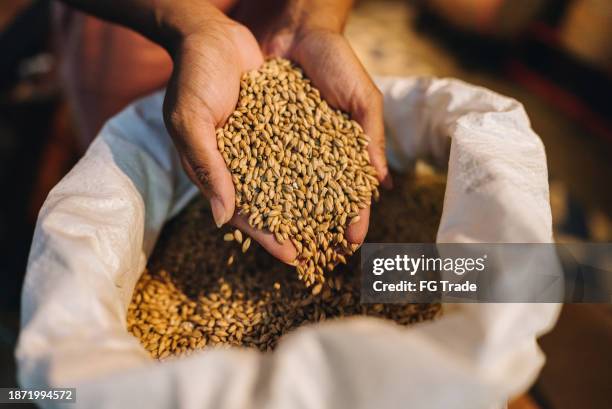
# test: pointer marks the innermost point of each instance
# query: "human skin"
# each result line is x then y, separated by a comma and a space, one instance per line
210, 52
104, 67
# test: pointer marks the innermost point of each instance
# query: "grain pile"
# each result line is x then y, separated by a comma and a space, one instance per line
200, 290
300, 168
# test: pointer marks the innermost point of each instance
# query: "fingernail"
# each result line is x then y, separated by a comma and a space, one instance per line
218, 211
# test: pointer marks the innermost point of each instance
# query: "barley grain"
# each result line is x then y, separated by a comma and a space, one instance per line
190, 298
297, 164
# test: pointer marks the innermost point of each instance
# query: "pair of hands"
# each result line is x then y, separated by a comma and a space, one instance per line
204, 88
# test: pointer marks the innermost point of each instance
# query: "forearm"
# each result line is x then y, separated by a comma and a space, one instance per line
163, 21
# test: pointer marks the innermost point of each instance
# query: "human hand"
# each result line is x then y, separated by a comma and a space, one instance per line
310, 35
202, 93
329, 61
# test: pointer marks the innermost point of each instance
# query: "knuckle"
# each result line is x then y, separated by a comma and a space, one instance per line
200, 171
240, 32
202, 174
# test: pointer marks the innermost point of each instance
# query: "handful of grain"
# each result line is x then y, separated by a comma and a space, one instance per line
191, 298
300, 168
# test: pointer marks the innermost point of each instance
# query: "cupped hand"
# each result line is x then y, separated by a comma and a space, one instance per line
328, 60
202, 93
310, 34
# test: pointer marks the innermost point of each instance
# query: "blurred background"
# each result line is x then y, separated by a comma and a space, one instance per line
555, 56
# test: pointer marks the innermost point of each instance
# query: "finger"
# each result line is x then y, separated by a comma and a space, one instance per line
356, 232
369, 114
197, 144
343, 81
249, 51
285, 252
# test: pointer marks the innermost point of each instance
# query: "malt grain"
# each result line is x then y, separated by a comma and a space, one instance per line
300, 169
192, 298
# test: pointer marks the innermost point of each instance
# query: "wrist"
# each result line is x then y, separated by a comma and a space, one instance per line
177, 21
301, 19
307, 15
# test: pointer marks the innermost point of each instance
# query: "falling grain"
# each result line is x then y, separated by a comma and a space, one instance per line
191, 299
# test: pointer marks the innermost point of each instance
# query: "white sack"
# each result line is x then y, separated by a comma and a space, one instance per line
99, 224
